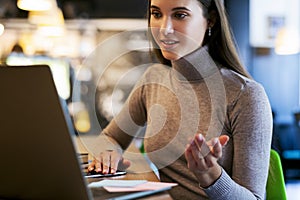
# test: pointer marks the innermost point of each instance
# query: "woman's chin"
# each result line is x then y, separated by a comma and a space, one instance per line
170, 55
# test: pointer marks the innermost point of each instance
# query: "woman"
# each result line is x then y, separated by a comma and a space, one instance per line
209, 124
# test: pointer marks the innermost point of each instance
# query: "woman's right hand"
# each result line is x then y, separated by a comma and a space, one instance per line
108, 162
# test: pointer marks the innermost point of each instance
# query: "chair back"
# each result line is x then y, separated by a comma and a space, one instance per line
275, 183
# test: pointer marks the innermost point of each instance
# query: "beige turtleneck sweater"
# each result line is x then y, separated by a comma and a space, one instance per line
197, 96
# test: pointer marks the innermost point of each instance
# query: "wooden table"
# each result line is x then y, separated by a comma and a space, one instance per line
139, 170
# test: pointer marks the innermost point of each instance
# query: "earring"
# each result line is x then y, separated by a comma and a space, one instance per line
209, 31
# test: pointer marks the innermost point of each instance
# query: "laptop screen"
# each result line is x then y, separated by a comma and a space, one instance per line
38, 158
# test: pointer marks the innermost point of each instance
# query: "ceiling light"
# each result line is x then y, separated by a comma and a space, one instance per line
54, 16
35, 5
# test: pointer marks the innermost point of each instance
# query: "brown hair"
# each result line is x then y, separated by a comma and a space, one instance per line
221, 45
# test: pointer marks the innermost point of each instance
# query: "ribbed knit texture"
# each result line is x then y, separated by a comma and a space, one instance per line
197, 95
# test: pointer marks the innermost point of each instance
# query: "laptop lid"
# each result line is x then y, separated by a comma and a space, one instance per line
38, 157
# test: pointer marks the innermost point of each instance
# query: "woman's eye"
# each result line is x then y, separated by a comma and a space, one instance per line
156, 14
180, 15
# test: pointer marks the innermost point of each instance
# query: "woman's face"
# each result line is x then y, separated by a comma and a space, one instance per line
177, 26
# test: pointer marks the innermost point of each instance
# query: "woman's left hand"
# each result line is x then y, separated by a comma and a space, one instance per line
202, 157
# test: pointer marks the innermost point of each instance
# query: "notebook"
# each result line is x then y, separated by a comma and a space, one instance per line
38, 157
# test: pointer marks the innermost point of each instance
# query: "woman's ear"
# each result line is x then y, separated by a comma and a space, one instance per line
212, 18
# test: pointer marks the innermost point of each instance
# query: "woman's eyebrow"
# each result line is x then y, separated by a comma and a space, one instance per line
173, 9
181, 8
155, 7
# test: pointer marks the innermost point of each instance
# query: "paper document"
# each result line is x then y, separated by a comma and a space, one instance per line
141, 187
116, 183
130, 185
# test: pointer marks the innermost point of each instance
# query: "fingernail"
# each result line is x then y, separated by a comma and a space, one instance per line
200, 137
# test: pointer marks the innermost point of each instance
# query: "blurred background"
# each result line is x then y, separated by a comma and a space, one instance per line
64, 33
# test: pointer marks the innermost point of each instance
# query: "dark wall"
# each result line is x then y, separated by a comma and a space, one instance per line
89, 9
278, 74
238, 14
103, 8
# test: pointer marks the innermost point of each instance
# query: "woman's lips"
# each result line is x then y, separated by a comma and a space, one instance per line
168, 44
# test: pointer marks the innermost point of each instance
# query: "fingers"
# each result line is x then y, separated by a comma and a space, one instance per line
118, 162
217, 148
103, 163
218, 144
113, 162
202, 145
98, 166
196, 160
190, 159
199, 152
108, 162
92, 166
202, 155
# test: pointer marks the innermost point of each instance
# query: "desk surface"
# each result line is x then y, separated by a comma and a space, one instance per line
138, 170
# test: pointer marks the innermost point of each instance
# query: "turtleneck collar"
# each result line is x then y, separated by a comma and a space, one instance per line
195, 66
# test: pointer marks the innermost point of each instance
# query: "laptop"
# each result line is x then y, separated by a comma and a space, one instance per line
38, 157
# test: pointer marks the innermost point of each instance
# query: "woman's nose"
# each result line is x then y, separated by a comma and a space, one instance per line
167, 26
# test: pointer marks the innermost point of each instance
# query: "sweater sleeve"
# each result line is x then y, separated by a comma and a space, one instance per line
132, 117
251, 125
